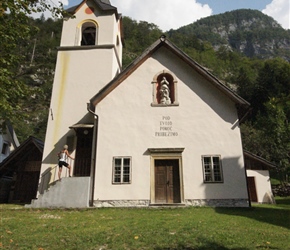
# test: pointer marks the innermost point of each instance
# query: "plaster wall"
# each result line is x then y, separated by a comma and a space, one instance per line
2, 141
263, 185
204, 123
81, 71
77, 79
5, 138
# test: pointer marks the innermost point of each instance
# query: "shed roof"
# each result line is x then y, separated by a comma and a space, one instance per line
19, 153
261, 161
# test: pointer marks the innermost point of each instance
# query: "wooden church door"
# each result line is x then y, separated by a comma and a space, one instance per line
167, 182
252, 189
82, 165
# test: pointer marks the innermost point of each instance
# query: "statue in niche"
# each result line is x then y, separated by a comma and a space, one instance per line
164, 92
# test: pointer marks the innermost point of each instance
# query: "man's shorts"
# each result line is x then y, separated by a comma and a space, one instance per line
62, 163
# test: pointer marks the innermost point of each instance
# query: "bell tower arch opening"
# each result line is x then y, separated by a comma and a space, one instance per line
89, 33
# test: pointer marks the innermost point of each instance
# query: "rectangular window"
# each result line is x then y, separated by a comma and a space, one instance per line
121, 170
5, 147
212, 169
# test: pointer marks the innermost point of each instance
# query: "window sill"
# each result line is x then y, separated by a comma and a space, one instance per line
121, 183
164, 105
213, 182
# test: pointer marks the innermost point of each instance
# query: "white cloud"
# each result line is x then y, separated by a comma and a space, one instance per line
172, 14
280, 11
166, 14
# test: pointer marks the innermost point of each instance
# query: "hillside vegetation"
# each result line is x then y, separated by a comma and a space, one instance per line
246, 49
249, 32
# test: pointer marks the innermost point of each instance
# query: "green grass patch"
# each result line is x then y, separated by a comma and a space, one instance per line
275, 181
259, 227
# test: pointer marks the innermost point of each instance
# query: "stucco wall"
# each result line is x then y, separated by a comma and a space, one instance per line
205, 122
81, 71
76, 81
263, 185
5, 138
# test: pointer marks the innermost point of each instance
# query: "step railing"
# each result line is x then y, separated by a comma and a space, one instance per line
50, 175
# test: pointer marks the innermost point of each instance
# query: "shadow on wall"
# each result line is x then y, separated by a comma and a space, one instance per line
233, 186
269, 198
44, 180
52, 158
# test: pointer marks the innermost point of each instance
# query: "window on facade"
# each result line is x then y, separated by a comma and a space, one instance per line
212, 169
121, 170
5, 147
89, 34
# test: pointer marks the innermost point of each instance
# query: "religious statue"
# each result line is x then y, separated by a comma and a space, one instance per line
164, 92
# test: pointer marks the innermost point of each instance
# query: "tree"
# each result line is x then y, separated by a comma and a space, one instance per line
268, 132
273, 81
16, 30
246, 81
138, 36
275, 129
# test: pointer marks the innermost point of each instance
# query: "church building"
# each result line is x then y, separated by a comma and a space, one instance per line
163, 131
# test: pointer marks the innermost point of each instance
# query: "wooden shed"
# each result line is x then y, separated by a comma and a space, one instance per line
19, 173
258, 178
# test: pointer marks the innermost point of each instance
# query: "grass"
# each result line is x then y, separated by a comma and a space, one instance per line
202, 228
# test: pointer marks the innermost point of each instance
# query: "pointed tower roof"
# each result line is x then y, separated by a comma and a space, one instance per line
106, 1
104, 5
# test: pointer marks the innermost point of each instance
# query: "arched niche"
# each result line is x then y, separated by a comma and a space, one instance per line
165, 89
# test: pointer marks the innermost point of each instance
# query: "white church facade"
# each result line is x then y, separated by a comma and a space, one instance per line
164, 131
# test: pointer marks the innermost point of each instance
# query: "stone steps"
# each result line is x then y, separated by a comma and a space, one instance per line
70, 192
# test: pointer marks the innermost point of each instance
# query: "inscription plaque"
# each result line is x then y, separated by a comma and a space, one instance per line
166, 127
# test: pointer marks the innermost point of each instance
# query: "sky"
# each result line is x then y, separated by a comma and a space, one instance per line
172, 14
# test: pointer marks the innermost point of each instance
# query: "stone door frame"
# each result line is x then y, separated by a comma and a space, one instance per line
165, 154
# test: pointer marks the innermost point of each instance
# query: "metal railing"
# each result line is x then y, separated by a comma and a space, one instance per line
50, 175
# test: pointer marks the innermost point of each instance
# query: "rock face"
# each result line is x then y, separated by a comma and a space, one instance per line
247, 31
258, 38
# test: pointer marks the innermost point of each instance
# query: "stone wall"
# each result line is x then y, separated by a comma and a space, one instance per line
218, 202
196, 203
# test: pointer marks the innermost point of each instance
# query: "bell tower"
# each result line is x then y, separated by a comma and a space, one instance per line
89, 56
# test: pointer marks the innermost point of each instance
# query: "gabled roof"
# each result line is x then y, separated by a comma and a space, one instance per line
266, 164
102, 4
10, 131
242, 105
20, 152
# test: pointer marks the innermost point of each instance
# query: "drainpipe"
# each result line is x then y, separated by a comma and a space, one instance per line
94, 154
248, 192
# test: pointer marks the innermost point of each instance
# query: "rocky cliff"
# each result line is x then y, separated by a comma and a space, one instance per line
247, 31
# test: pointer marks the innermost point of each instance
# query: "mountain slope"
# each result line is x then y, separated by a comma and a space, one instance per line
247, 31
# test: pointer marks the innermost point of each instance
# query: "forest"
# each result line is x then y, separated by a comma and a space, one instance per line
28, 55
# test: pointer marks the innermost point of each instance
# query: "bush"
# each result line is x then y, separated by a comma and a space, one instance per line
282, 190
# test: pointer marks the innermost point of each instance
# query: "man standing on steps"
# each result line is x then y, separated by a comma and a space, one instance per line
62, 156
